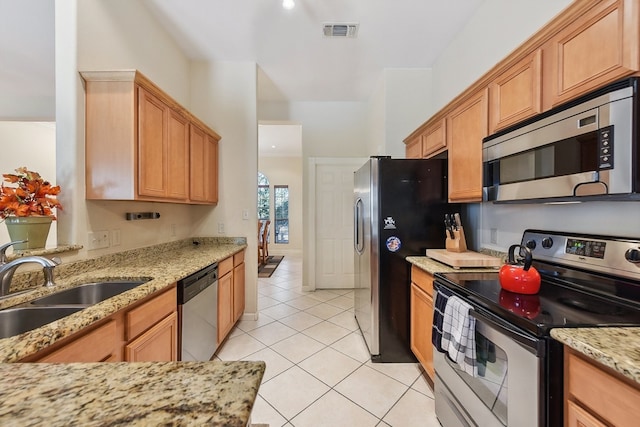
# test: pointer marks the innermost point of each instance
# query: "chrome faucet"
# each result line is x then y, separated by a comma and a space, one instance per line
7, 269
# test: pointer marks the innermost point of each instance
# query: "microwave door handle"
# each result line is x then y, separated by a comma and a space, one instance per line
532, 344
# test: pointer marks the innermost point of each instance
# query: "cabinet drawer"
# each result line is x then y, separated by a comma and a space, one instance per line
225, 266
97, 345
238, 258
148, 314
158, 344
422, 279
611, 398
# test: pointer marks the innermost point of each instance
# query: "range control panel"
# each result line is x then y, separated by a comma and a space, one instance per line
605, 254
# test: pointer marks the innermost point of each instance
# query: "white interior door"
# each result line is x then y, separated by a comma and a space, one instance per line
334, 266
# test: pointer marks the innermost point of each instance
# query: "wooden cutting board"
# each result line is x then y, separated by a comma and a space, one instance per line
464, 259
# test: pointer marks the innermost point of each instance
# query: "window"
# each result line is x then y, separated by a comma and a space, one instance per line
263, 197
281, 207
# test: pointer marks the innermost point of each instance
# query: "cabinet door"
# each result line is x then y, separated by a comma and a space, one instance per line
178, 157
146, 315
238, 291
97, 345
152, 137
225, 305
197, 142
597, 48
211, 169
434, 139
466, 126
421, 322
413, 149
158, 344
516, 94
578, 417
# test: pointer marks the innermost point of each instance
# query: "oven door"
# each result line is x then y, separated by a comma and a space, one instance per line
507, 390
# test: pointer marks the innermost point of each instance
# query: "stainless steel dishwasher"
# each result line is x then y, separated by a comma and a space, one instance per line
198, 314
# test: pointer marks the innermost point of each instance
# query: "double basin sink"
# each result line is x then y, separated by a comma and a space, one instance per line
49, 308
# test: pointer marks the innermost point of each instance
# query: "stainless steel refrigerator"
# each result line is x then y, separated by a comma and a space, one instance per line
399, 207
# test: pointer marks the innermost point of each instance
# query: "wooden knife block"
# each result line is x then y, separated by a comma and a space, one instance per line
458, 243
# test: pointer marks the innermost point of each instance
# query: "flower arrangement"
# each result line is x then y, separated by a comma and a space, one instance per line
32, 197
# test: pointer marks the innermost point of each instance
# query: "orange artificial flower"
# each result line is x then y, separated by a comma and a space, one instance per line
32, 197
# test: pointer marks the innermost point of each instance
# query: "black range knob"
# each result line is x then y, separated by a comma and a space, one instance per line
531, 244
632, 255
547, 242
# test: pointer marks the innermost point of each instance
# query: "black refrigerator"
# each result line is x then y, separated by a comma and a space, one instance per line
399, 207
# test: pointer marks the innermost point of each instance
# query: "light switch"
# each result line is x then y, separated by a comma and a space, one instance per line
245, 214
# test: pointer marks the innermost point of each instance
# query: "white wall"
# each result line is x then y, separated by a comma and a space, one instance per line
224, 96
482, 44
286, 171
110, 34
407, 104
496, 29
376, 119
30, 144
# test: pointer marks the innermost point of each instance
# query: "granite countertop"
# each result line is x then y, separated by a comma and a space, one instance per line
616, 348
162, 264
128, 393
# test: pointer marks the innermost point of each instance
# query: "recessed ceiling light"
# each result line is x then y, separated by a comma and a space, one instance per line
273, 146
288, 4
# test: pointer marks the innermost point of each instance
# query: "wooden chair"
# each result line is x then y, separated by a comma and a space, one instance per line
263, 242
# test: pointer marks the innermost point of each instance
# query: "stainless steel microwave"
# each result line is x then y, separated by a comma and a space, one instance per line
586, 149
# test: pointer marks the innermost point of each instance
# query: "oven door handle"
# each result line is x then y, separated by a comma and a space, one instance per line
532, 344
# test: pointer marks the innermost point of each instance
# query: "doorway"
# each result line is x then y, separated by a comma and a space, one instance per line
331, 231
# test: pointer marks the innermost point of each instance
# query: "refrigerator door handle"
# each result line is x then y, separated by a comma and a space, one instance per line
358, 238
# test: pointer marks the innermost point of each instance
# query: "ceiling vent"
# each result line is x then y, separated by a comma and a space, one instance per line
340, 30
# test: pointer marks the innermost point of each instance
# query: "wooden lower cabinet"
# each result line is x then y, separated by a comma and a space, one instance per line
145, 331
231, 293
422, 318
238, 285
100, 344
158, 344
597, 396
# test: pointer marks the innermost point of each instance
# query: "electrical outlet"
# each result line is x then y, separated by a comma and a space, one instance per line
494, 236
173, 230
98, 240
115, 237
245, 214
221, 228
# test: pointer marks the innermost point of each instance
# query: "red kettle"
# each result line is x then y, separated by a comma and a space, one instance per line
522, 279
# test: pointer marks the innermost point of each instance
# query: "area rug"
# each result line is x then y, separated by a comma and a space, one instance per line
267, 269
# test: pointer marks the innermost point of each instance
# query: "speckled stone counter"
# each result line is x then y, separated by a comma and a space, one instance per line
616, 348
131, 394
163, 265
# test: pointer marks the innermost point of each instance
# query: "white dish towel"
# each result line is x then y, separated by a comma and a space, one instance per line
459, 335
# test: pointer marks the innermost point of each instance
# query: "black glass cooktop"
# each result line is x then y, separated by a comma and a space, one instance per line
556, 305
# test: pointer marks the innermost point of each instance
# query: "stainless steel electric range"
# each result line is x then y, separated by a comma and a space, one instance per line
587, 281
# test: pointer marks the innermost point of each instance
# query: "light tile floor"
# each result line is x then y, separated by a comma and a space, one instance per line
318, 368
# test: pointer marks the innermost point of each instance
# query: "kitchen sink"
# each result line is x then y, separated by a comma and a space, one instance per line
88, 293
14, 321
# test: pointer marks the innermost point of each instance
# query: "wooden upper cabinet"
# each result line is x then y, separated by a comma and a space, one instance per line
178, 156
138, 143
204, 166
413, 149
600, 47
466, 127
163, 147
516, 94
434, 139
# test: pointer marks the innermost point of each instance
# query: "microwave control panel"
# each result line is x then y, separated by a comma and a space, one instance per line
605, 148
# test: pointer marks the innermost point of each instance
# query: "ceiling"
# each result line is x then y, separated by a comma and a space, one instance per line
295, 61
